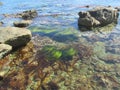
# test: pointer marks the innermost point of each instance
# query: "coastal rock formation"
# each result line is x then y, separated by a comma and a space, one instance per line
24, 23
4, 49
99, 16
29, 14
14, 36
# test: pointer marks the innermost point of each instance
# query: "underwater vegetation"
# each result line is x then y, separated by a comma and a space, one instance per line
41, 66
52, 53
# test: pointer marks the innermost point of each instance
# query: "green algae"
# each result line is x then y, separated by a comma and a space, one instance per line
68, 31
53, 53
38, 29
68, 53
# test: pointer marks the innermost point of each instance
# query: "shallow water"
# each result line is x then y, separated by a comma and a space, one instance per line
57, 20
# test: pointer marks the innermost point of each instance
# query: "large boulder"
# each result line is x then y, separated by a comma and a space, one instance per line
16, 37
99, 16
4, 49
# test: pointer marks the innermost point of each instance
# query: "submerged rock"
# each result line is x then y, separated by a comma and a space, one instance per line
22, 23
15, 37
29, 14
99, 16
4, 49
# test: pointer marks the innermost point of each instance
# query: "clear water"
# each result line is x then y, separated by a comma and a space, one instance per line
67, 10
58, 20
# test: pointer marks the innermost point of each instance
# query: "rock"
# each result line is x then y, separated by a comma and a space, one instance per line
30, 14
99, 16
24, 23
1, 23
118, 8
4, 49
16, 37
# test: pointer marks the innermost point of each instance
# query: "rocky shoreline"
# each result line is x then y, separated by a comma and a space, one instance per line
15, 37
39, 63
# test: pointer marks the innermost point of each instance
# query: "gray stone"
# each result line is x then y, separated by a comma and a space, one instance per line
99, 16
21, 24
16, 37
4, 49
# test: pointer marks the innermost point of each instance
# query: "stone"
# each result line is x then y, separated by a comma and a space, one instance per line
29, 14
99, 16
1, 23
86, 20
23, 23
118, 8
16, 37
4, 50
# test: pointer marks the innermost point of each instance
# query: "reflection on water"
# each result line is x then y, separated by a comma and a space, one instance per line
96, 61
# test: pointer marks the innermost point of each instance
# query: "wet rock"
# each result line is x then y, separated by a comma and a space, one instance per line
4, 49
30, 14
16, 37
87, 20
118, 8
99, 16
22, 23
1, 23
6, 15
